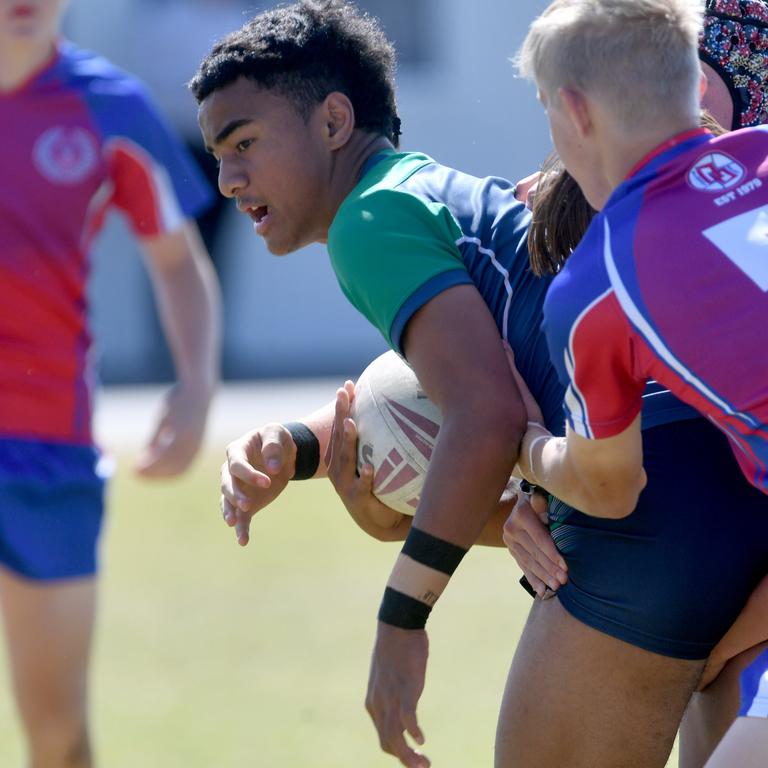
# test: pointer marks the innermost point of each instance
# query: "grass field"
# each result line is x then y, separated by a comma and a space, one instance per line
212, 656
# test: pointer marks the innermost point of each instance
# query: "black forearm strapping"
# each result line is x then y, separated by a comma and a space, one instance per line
433, 552
307, 450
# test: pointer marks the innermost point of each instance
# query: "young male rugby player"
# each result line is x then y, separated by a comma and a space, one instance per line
298, 108
672, 275
79, 137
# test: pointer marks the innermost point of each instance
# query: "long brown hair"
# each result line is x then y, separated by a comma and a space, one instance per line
561, 213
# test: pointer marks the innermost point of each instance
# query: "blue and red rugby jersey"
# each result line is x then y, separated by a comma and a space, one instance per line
79, 138
670, 283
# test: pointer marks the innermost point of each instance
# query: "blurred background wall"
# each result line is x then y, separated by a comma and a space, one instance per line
459, 102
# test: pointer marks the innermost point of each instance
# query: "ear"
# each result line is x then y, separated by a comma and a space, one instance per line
577, 108
703, 84
338, 120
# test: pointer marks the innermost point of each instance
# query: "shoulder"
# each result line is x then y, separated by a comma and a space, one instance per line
382, 214
104, 85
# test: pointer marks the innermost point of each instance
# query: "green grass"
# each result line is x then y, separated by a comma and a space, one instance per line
213, 656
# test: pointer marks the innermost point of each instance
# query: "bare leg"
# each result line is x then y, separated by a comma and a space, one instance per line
711, 712
48, 628
744, 746
580, 698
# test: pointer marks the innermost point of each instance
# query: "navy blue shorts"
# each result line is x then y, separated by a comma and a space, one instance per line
754, 688
672, 576
51, 509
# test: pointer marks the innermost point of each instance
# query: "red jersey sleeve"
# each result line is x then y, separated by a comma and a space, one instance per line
605, 391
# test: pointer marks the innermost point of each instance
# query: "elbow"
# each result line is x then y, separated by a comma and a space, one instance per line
618, 502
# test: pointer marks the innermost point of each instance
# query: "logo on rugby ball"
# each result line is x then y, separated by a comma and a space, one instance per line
65, 154
716, 172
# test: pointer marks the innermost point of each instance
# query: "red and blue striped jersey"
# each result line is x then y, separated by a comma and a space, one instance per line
79, 137
670, 283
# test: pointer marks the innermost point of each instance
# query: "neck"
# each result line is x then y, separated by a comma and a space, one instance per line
622, 152
347, 164
19, 60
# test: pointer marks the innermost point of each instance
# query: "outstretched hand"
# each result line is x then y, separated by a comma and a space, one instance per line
258, 467
395, 684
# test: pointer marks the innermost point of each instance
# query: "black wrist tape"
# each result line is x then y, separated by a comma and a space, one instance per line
529, 488
433, 552
307, 450
403, 611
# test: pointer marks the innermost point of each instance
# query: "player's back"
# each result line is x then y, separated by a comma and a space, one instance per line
686, 253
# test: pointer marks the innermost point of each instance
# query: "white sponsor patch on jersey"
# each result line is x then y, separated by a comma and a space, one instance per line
716, 172
744, 240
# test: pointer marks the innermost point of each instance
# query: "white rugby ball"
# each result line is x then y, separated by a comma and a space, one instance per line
397, 426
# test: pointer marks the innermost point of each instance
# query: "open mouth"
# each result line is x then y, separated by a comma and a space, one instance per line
258, 213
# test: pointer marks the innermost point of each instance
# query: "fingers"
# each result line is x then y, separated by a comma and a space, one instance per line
341, 412
408, 719
243, 528
277, 449
391, 729
530, 543
240, 465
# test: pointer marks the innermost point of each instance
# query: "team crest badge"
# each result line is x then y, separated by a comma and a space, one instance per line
65, 154
716, 172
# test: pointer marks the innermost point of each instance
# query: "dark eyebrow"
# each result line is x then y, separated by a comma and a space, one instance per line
228, 129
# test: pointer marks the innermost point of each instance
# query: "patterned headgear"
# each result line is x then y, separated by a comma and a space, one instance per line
735, 44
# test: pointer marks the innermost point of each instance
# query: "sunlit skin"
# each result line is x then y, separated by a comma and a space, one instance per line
28, 33
581, 163
287, 173
717, 99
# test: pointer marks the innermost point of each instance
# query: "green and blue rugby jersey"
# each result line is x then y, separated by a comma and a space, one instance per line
412, 228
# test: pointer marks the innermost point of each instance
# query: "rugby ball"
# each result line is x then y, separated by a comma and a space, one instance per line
397, 426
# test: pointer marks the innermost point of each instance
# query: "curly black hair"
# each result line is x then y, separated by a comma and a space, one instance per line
306, 51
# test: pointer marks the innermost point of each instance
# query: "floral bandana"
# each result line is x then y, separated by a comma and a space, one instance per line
735, 44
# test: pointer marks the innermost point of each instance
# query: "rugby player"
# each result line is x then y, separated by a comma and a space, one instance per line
79, 137
425, 252
632, 124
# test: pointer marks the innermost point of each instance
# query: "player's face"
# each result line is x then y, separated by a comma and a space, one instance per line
30, 21
272, 161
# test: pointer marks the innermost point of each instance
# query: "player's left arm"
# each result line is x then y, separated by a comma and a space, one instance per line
187, 294
453, 345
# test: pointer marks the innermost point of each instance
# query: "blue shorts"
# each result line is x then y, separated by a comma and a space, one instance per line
673, 576
754, 688
51, 509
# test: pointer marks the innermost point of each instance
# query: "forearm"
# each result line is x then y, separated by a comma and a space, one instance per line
606, 483
189, 303
468, 471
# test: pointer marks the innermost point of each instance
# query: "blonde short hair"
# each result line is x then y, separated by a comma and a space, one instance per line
638, 56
